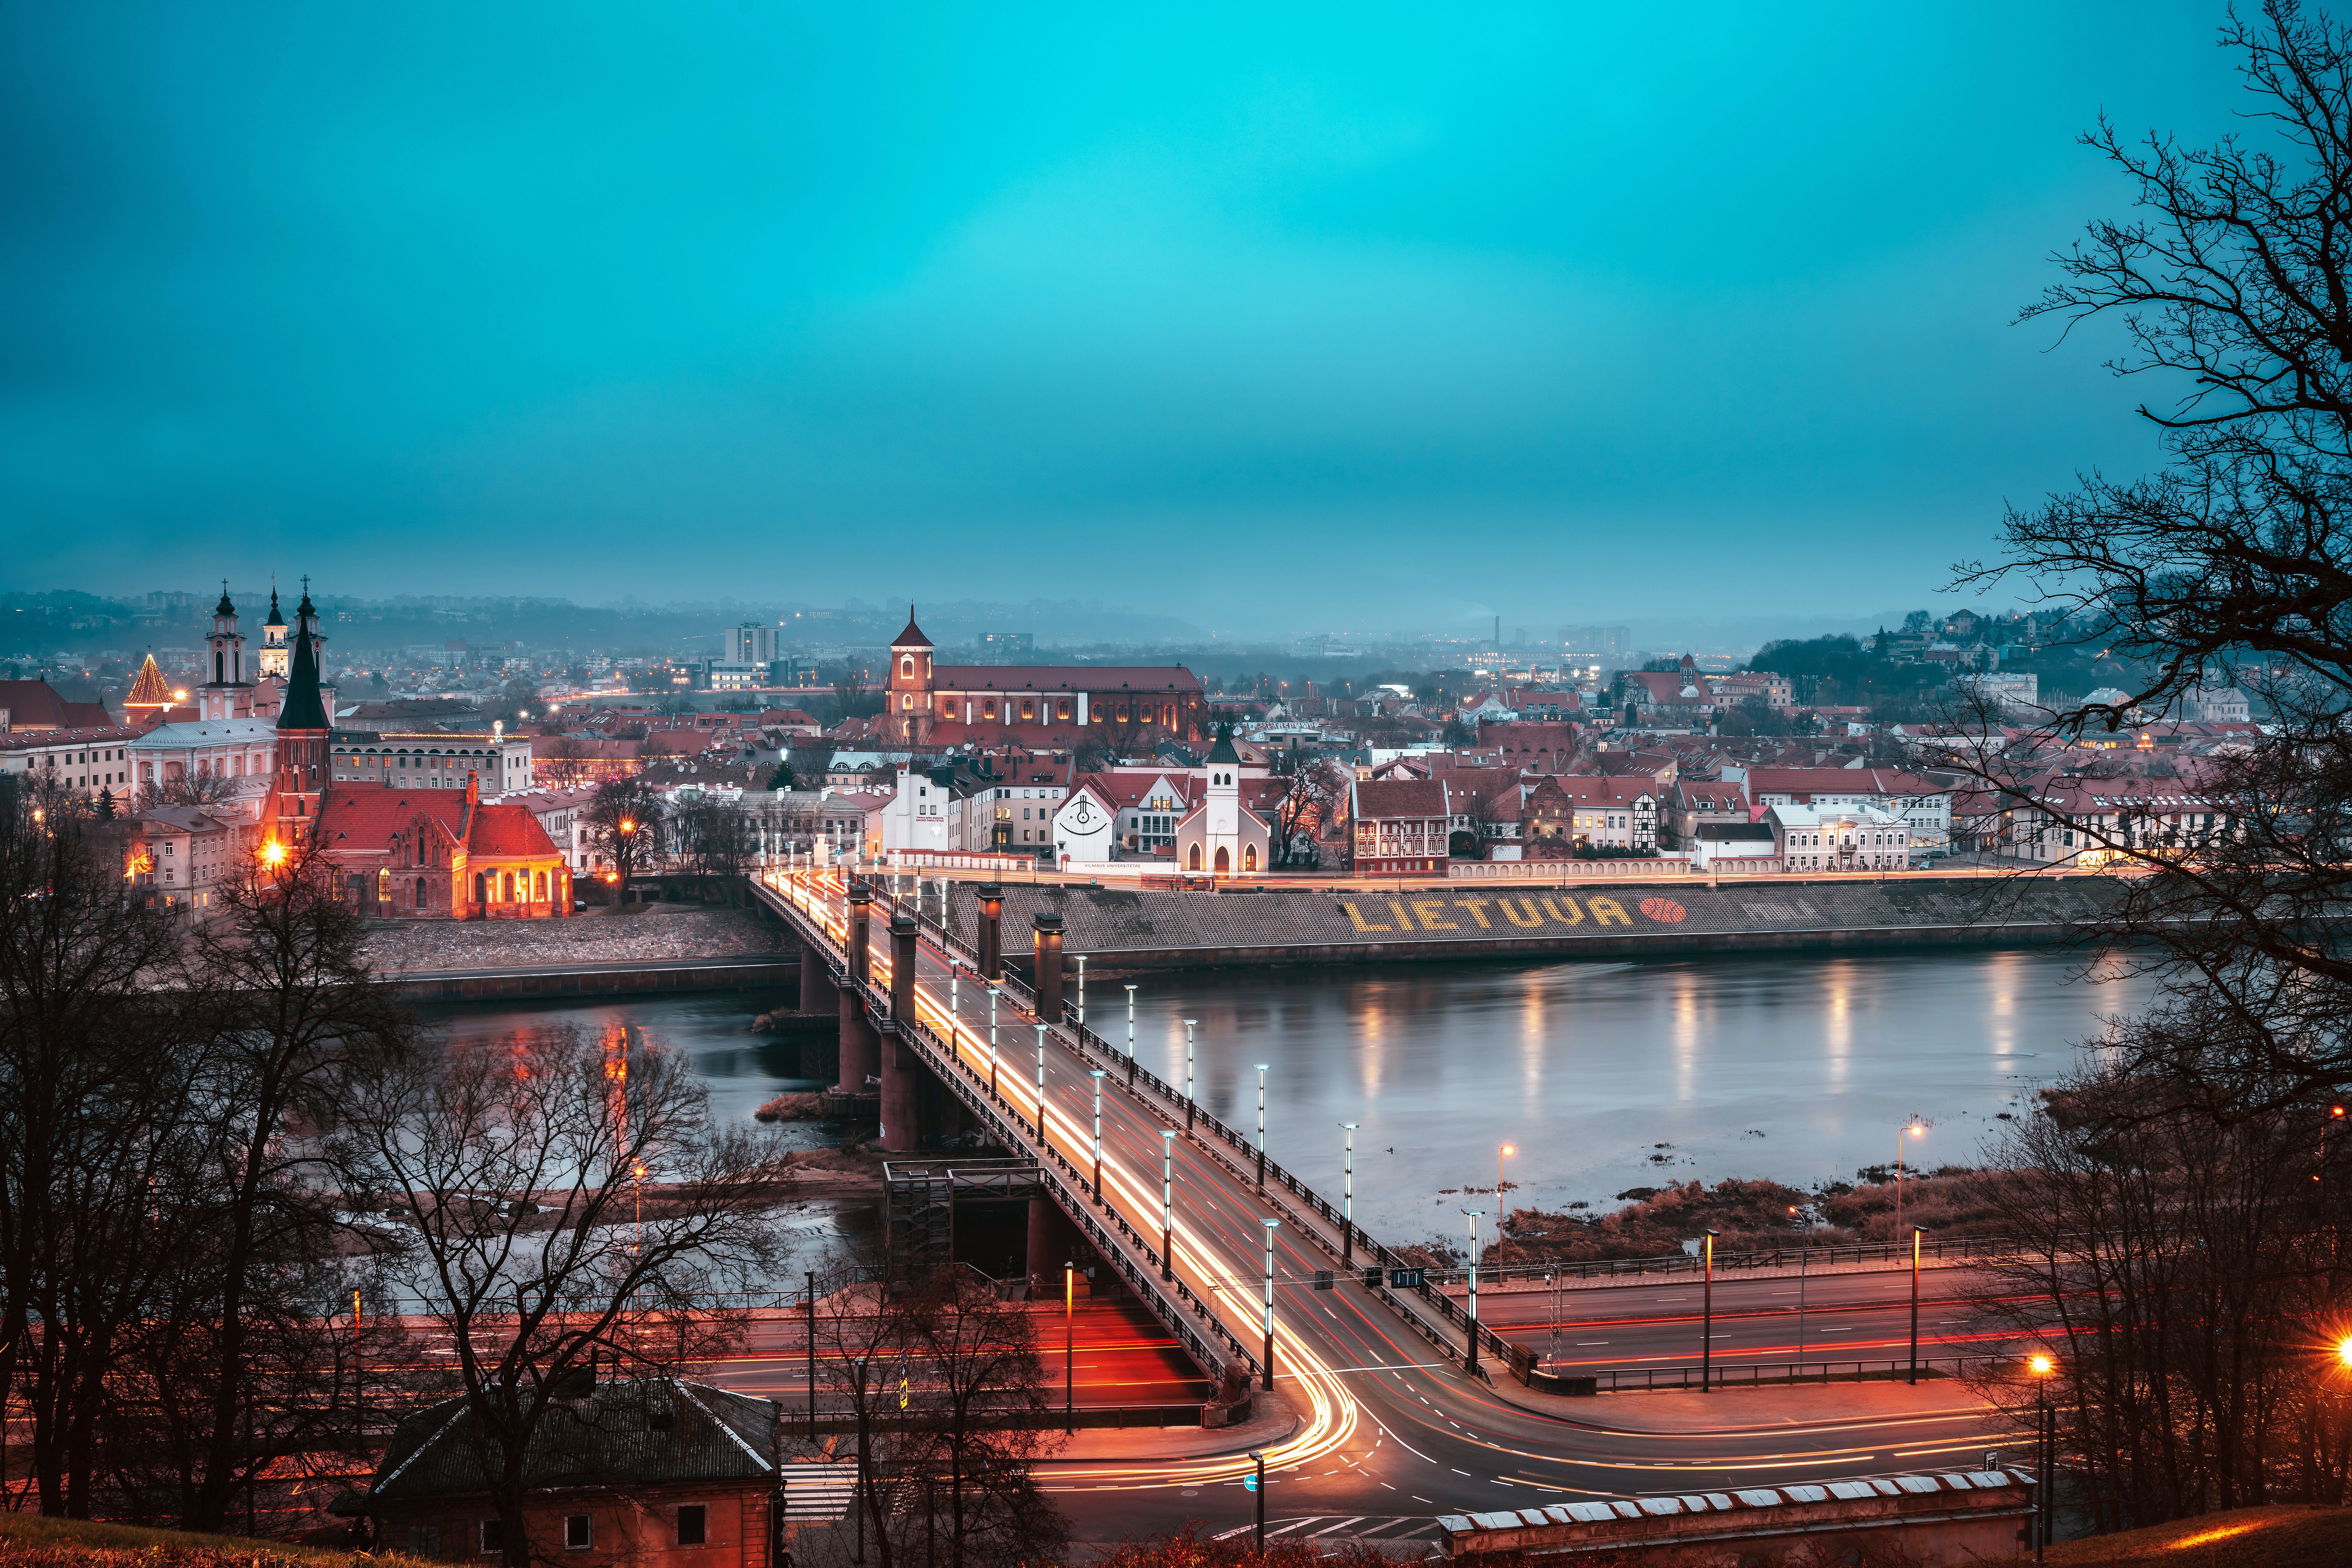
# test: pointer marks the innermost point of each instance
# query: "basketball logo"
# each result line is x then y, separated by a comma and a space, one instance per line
1665, 911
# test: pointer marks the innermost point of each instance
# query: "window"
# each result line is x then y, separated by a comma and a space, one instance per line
576, 1534
491, 1537
691, 1520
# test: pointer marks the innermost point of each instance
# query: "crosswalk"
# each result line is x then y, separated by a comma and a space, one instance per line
819, 1494
1332, 1529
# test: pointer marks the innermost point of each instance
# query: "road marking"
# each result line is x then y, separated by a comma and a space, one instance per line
1343, 1524
1286, 1528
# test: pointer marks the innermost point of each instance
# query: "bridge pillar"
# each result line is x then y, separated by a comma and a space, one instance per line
860, 1046
1049, 968
902, 1069
818, 993
992, 918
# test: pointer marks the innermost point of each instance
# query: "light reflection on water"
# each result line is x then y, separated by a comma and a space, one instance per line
1584, 1067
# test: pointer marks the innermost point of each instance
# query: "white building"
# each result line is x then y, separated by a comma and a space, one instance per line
923, 813
2218, 705
1220, 836
88, 762
225, 748
1925, 806
434, 759
1839, 838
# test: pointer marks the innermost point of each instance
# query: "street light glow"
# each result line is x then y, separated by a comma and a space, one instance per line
2039, 1366
2343, 1351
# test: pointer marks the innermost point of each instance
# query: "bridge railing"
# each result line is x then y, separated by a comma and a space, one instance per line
1958, 1248
1211, 1344
1746, 1374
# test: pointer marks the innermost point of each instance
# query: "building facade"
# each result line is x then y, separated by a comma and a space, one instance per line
1048, 706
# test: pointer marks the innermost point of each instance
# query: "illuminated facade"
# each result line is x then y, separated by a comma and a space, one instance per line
1045, 706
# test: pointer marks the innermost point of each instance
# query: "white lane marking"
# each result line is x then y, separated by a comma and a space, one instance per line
1414, 1452
1286, 1528
1343, 1524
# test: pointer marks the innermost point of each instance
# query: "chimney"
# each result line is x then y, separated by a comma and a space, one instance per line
473, 788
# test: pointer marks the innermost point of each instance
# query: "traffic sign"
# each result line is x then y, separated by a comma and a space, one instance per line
1249, 1483
1404, 1279
1373, 1277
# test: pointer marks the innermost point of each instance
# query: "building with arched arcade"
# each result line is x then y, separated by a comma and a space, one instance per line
1049, 707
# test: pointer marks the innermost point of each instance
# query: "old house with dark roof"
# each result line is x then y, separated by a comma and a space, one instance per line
638, 1471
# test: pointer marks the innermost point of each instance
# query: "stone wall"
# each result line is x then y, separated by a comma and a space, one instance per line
655, 936
1120, 929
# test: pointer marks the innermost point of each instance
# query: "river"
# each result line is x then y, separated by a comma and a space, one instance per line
1603, 1076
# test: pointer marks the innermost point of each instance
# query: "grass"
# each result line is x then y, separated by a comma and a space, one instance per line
29, 1541
2294, 1537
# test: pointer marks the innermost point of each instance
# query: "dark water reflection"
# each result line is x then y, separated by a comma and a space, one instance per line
1608, 1076
1798, 1067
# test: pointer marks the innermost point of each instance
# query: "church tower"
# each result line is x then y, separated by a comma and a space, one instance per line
908, 696
1220, 799
302, 737
276, 652
306, 621
229, 689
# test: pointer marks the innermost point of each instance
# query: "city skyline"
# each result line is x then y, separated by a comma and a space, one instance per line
1270, 328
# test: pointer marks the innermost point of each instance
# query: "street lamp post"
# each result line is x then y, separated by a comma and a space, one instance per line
2044, 1444
1915, 1234
1270, 1226
1041, 1086
1166, 1204
1348, 1196
1916, 1130
1069, 1349
955, 1010
1261, 1127
1471, 1365
1707, 1323
1258, 1491
1130, 1036
992, 992
1082, 997
1189, 1102
1098, 1076
1507, 1149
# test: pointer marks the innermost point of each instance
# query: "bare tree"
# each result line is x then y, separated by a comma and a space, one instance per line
570, 1201
1313, 798
715, 837
190, 789
625, 821
2233, 288
563, 762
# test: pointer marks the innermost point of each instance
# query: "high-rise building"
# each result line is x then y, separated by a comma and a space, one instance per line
753, 642
1598, 642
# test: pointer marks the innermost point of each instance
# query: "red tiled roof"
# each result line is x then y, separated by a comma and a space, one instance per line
1064, 677
34, 704
504, 829
1401, 797
363, 817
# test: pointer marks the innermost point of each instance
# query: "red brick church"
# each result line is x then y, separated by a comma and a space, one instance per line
397, 851
1044, 707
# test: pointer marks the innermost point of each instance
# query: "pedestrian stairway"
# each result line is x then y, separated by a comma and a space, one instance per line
1332, 1529
819, 1494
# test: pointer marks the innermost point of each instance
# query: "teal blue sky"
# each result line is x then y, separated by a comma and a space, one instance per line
1274, 318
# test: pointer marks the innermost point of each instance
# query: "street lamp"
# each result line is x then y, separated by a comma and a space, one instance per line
1915, 1234
1098, 1076
1041, 1086
1069, 1349
1499, 1210
1471, 1365
1167, 1203
1257, 1489
1348, 1196
1261, 1127
1082, 997
1707, 1323
1917, 1129
2046, 1442
1270, 1226
1189, 1102
992, 993
1130, 1036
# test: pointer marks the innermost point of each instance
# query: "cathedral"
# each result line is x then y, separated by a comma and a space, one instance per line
1040, 707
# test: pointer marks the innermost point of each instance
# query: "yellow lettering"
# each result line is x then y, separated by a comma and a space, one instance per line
1361, 924
1477, 908
1532, 919
1605, 910
1428, 921
1403, 921
1574, 916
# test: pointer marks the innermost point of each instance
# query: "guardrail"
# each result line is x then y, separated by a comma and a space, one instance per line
1959, 1247
1757, 1374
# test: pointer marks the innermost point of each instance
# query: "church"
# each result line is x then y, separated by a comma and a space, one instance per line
1042, 707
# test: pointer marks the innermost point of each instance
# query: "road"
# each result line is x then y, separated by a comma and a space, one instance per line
1388, 1428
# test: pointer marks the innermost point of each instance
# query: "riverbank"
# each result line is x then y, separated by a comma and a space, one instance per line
598, 952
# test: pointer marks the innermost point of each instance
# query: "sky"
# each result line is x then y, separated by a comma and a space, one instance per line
1276, 319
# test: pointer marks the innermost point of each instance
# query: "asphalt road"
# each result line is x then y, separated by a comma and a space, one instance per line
1388, 1428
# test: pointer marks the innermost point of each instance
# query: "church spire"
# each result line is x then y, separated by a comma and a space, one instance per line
304, 708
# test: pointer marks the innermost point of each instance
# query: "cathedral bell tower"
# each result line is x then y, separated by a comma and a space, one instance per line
230, 689
302, 736
908, 695
276, 651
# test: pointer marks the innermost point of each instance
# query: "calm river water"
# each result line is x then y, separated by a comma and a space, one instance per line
1603, 1076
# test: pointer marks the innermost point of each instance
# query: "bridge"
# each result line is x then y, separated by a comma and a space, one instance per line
1263, 1282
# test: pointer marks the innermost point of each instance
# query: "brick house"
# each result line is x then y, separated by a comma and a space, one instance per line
1401, 825
423, 854
642, 1472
